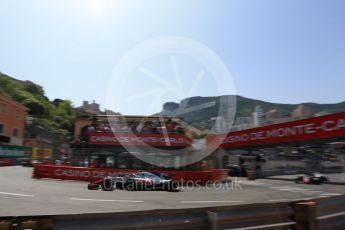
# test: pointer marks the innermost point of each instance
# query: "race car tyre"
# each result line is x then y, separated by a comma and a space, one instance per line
119, 186
173, 188
92, 187
298, 181
130, 186
107, 185
324, 179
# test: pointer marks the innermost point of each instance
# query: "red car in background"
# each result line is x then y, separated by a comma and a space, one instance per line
314, 178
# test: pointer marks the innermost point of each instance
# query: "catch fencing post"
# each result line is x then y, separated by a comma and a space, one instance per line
305, 216
32, 225
5, 225
213, 220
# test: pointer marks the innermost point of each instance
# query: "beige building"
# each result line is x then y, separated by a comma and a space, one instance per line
90, 108
302, 112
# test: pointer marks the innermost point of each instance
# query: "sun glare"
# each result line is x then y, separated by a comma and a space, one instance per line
99, 6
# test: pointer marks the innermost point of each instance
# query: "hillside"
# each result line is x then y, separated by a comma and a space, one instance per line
244, 108
55, 116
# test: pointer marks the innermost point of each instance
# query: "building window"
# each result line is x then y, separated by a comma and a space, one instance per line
3, 107
15, 132
17, 114
2, 129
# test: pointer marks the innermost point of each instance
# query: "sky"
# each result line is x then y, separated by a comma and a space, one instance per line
287, 51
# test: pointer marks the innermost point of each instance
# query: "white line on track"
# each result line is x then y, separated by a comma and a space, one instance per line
265, 226
303, 191
308, 198
288, 188
331, 216
16, 194
100, 200
253, 183
292, 199
207, 202
281, 200
330, 194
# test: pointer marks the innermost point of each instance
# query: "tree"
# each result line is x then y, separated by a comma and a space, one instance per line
57, 101
33, 88
35, 107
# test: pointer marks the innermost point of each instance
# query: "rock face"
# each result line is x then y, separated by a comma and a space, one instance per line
170, 109
202, 111
171, 106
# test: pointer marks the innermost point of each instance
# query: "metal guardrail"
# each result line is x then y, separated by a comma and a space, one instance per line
243, 216
326, 213
330, 213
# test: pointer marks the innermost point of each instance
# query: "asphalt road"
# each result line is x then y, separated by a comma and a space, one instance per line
20, 195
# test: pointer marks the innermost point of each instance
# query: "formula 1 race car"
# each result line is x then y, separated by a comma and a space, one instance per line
314, 178
28, 162
136, 181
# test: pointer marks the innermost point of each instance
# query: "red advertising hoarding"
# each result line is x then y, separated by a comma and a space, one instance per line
92, 174
328, 126
139, 139
6, 162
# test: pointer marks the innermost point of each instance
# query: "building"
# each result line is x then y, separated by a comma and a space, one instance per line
273, 114
220, 125
258, 116
12, 121
41, 141
131, 142
302, 112
321, 113
242, 123
274, 117
90, 108
273, 121
297, 146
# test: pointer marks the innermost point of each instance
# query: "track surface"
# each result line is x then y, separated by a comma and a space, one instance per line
20, 195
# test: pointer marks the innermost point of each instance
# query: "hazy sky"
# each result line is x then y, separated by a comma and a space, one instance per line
280, 51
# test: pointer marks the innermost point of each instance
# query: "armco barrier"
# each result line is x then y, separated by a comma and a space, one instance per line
91, 174
297, 215
303, 215
330, 213
237, 217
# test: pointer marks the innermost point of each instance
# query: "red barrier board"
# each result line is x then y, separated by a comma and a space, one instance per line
139, 139
328, 126
6, 162
92, 174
